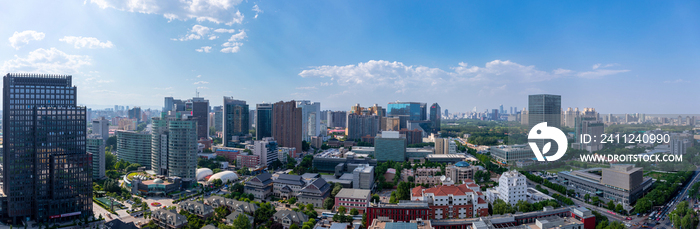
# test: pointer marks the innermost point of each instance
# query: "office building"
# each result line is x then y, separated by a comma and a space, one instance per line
461, 172
325, 163
135, 113
200, 113
219, 118
287, 125
337, 119
174, 146
267, 150
263, 121
311, 118
445, 146
363, 177
235, 119
134, 147
251, 119
95, 146
390, 146
508, 154
435, 117
412, 136
591, 127
353, 198
680, 142
621, 183
415, 111
101, 126
45, 168
544, 108
361, 125
512, 187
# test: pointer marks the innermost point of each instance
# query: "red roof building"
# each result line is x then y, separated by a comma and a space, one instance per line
452, 201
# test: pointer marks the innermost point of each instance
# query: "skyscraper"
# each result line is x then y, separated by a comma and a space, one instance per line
415, 111
545, 108
286, 124
337, 119
101, 127
96, 147
135, 113
218, 118
263, 121
174, 146
311, 120
435, 117
235, 120
46, 171
134, 147
200, 113
359, 126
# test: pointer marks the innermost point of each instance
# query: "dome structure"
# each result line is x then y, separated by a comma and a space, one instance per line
224, 176
203, 172
462, 164
158, 181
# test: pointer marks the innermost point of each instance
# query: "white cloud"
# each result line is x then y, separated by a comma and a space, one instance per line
213, 37
51, 61
238, 36
599, 73
18, 38
86, 42
561, 71
257, 10
225, 30
306, 88
196, 33
596, 66
202, 88
199, 76
216, 11
201, 82
232, 46
676, 81
206, 49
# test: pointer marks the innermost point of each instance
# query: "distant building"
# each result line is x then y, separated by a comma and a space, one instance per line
390, 146
445, 146
560, 218
415, 111
363, 177
435, 117
507, 154
289, 217
544, 108
96, 147
588, 126
263, 121
134, 147
287, 124
512, 187
337, 119
135, 113
267, 150
412, 136
461, 172
235, 118
174, 146
101, 127
361, 125
311, 119
248, 161
127, 124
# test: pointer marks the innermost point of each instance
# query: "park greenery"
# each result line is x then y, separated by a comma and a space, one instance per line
486, 132
684, 216
501, 207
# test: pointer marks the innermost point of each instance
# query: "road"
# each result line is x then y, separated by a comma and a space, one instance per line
666, 223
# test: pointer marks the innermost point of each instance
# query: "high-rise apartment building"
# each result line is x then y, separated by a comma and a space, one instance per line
134, 147
173, 149
263, 121
236, 117
445, 146
267, 150
286, 124
311, 119
359, 126
219, 118
101, 127
588, 126
337, 119
95, 146
135, 113
46, 171
435, 117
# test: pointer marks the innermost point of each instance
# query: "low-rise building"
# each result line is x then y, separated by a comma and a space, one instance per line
560, 218
382, 223
423, 175
315, 193
168, 218
287, 186
248, 161
231, 204
512, 187
289, 217
506, 154
234, 215
461, 171
621, 183
260, 186
353, 198
452, 201
198, 208
403, 211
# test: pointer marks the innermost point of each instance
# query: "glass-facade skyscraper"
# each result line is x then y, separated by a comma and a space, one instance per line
236, 117
46, 171
544, 108
435, 117
263, 121
415, 111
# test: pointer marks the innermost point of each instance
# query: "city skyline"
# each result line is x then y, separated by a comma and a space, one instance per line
461, 56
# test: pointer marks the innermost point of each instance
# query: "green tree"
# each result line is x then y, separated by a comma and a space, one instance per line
328, 203
354, 211
393, 199
585, 197
294, 226
241, 222
619, 208
342, 210
375, 198
132, 167
110, 160
611, 205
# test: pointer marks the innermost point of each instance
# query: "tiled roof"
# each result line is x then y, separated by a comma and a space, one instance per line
290, 179
481, 201
296, 217
472, 185
445, 190
417, 191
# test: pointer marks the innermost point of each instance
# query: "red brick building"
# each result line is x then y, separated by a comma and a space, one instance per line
402, 212
453, 201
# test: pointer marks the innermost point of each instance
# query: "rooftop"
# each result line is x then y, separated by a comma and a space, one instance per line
354, 193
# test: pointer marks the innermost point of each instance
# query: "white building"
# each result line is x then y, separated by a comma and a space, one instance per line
512, 187
267, 150
310, 119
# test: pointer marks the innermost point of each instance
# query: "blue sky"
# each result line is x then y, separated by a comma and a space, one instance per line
614, 56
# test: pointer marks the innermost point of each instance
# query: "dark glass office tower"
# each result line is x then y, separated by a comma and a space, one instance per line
235, 119
200, 113
415, 111
544, 108
47, 174
263, 121
435, 117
